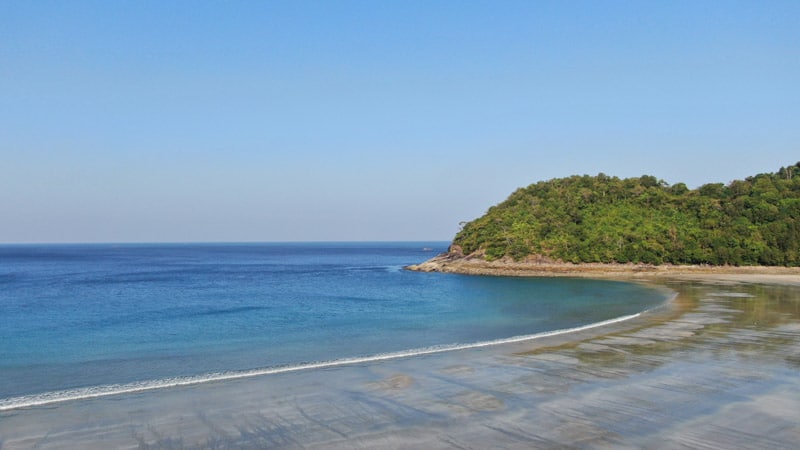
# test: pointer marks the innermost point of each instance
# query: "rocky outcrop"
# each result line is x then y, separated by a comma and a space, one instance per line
454, 261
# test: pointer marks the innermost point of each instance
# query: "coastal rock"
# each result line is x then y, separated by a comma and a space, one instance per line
435, 264
455, 250
476, 264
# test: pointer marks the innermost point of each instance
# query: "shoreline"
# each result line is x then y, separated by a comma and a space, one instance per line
110, 390
93, 392
475, 265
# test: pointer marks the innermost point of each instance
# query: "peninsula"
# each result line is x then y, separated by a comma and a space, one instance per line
596, 225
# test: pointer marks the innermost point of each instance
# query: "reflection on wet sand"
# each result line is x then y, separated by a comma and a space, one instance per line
718, 369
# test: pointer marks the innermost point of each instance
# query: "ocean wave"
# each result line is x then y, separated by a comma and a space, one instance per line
48, 398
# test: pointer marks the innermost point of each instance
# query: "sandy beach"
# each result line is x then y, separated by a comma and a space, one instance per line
717, 367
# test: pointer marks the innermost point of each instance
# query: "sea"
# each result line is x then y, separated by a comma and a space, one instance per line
80, 321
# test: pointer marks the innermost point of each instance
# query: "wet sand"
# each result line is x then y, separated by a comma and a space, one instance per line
717, 368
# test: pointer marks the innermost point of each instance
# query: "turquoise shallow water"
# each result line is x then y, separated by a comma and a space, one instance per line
81, 316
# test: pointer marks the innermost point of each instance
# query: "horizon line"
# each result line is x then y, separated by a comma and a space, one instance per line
311, 241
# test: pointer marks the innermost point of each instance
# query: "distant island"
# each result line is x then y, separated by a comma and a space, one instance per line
605, 220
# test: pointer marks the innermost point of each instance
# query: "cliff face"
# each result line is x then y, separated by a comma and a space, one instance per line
640, 221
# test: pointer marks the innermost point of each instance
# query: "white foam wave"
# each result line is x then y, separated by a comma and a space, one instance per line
141, 386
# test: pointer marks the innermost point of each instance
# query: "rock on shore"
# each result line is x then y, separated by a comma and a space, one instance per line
454, 261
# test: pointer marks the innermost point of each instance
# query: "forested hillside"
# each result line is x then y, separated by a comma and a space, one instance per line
755, 221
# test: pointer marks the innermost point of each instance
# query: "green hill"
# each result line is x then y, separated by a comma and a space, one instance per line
581, 219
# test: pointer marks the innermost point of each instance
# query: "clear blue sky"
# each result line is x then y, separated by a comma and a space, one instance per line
371, 120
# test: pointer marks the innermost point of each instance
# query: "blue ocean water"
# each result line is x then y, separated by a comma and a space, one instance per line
81, 316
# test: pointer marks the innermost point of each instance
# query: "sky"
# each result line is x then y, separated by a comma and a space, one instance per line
235, 121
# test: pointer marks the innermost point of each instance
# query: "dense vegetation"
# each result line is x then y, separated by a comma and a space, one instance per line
755, 221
